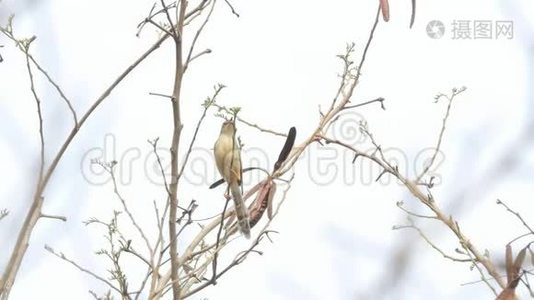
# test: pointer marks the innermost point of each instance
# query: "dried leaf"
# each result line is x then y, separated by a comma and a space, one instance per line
254, 189
520, 259
221, 181
384, 6
260, 204
507, 294
509, 264
412, 20
517, 268
247, 195
288, 145
270, 202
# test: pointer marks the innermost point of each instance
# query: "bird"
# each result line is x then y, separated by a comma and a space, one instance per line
228, 161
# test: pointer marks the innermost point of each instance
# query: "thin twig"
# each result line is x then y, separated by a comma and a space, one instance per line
455, 92
111, 172
163, 29
380, 99
204, 52
400, 205
262, 129
516, 214
195, 38
62, 218
174, 32
334, 111
427, 200
58, 89
34, 212
143, 283
231, 8
206, 105
239, 259
84, 270
154, 144
39, 115
24, 47
345, 76
431, 244
216, 253
475, 259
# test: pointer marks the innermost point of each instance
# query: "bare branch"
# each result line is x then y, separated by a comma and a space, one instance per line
334, 110
34, 212
428, 201
239, 259
262, 129
195, 38
207, 104
110, 170
24, 47
177, 130
204, 52
216, 252
174, 32
474, 256
39, 113
400, 205
429, 242
61, 218
455, 92
84, 270
231, 8
517, 215
380, 99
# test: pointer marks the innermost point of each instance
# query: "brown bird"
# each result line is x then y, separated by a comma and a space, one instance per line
228, 160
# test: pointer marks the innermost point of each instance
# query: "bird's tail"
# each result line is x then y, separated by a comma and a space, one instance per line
240, 210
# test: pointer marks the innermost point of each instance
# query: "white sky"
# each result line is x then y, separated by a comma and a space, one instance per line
278, 61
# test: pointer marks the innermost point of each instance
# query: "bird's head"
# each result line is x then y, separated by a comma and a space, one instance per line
228, 127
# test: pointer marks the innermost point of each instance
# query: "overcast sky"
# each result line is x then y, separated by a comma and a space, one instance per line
278, 61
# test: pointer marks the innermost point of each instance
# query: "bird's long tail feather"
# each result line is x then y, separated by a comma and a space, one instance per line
240, 210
